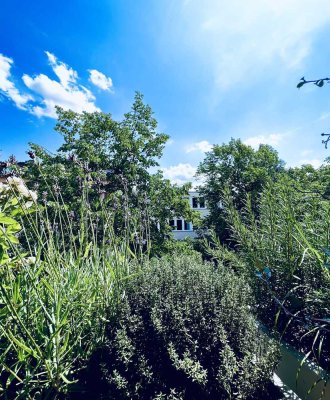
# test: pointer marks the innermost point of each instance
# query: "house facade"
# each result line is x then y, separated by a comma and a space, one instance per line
182, 228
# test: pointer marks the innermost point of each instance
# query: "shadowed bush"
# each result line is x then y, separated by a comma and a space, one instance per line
185, 331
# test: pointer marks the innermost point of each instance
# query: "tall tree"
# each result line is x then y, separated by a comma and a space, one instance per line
114, 159
242, 169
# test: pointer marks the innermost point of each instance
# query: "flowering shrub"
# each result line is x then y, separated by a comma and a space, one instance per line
16, 200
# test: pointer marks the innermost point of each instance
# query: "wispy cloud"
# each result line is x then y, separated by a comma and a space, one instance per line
273, 139
240, 39
202, 146
100, 80
7, 86
66, 92
180, 173
67, 76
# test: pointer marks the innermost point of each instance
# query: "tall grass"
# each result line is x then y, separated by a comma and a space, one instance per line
279, 250
59, 287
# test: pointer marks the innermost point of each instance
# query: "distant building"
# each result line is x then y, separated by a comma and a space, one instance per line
182, 228
5, 171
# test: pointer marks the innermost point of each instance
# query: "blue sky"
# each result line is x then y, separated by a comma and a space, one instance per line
210, 69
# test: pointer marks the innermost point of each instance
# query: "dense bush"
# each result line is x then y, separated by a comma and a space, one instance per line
185, 331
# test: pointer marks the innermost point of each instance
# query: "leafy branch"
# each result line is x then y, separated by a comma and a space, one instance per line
317, 82
326, 141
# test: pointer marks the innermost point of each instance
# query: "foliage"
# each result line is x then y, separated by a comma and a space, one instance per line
115, 159
185, 246
192, 336
310, 181
242, 169
280, 253
54, 299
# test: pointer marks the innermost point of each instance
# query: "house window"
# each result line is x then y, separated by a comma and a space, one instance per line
201, 202
198, 202
187, 226
172, 223
179, 224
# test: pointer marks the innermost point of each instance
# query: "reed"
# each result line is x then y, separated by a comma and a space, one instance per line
60, 285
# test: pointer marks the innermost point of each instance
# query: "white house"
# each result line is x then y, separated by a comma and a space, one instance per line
182, 228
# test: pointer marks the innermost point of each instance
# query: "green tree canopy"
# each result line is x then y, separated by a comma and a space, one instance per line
242, 169
114, 159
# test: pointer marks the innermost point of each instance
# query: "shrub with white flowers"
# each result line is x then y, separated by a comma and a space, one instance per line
16, 200
18, 187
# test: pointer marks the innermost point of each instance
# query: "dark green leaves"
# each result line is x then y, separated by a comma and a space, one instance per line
241, 168
193, 333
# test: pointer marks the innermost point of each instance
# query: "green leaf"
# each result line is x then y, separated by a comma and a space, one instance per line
23, 346
7, 220
14, 228
2, 252
13, 239
4, 311
87, 250
66, 380
14, 201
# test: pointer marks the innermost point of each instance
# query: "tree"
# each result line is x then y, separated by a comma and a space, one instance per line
94, 144
113, 160
310, 180
242, 169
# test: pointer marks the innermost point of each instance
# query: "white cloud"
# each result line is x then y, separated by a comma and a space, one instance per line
100, 80
7, 86
239, 39
181, 173
202, 146
272, 139
67, 76
66, 92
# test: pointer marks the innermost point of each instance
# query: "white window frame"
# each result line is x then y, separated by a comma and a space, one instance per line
174, 226
198, 203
